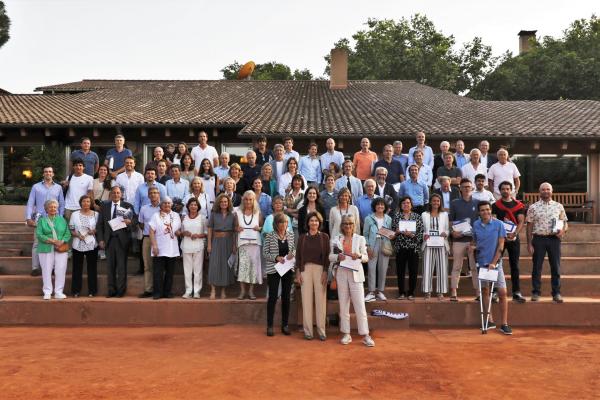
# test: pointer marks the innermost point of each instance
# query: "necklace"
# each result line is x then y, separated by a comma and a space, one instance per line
244, 219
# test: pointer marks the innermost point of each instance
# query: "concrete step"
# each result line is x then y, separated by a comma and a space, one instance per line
24, 285
24, 247
130, 311
16, 227
10, 253
17, 236
577, 232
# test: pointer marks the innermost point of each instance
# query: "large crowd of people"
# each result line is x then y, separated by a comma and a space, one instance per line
327, 222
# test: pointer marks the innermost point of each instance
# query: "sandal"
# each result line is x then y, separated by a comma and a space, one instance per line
252, 297
240, 297
454, 298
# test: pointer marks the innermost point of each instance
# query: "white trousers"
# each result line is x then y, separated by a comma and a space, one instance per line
192, 264
355, 291
57, 262
313, 288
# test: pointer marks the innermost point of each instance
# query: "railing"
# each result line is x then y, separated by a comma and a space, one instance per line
572, 202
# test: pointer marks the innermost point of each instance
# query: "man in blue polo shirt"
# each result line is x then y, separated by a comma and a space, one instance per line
394, 168
91, 162
488, 241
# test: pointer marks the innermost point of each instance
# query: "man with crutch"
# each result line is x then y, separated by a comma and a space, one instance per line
488, 241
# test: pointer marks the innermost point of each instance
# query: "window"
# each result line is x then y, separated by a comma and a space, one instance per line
566, 172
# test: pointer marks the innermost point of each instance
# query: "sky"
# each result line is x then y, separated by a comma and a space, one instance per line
58, 41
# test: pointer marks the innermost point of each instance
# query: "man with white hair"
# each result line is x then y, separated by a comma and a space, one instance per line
384, 189
222, 170
546, 226
486, 158
251, 169
503, 171
474, 166
364, 202
438, 159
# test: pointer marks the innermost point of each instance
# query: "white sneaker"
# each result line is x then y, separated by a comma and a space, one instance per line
369, 297
196, 295
346, 339
60, 296
187, 296
367, 341
381, 296
47, 296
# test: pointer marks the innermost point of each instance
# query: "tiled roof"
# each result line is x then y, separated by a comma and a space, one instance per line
377, 108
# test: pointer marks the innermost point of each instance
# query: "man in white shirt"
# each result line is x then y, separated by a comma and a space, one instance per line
502, 171
288, 145
202, 151
78, 185
474, 166
129, 180
331, 155
480, 193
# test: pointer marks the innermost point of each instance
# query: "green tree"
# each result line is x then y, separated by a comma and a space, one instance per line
413, 49
267, 71
563, 68
4, 25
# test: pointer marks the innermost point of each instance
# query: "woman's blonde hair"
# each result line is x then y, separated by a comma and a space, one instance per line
255, 206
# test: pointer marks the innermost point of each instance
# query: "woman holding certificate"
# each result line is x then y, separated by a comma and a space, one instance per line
435, 245
279, 250
248, 243
349, 251
378, 261
409, 236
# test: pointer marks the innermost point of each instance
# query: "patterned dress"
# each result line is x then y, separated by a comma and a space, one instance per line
249, 248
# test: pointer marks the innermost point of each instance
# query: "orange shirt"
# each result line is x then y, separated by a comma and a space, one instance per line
363, 163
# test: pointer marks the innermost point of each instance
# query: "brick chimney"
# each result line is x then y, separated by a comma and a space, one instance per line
524, 41
338, 69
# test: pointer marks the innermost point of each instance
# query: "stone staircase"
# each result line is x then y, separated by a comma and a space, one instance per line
23, 304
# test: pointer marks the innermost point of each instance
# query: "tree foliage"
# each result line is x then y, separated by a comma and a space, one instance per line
413, 49
4, 25
564, 68
268, 71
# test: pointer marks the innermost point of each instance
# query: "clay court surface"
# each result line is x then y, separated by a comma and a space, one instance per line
241, 362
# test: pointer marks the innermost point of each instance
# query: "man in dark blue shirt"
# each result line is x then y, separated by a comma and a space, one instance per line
394, 168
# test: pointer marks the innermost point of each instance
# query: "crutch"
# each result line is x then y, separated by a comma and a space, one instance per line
484, 323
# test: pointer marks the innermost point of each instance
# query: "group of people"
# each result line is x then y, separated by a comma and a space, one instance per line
282, 217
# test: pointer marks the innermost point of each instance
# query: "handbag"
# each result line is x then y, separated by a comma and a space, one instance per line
62, 248
232, 262
386, 248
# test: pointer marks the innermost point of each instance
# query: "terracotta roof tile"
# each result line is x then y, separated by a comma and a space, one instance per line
379, 108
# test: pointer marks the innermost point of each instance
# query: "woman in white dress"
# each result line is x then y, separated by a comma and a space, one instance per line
284, 182
249, 245
435, 257
193, 231
210, 179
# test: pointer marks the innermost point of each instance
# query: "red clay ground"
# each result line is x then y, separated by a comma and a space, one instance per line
241, 362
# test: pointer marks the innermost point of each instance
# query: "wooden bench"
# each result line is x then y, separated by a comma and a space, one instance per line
572, 202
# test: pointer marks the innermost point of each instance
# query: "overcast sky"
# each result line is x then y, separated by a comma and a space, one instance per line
57, 41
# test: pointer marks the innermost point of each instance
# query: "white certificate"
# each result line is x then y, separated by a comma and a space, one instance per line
349, 263
117, 223
410, 226
509, 227
388, 233
249, 234
558, 225
435, 241
490, 275
283, 268
463, 227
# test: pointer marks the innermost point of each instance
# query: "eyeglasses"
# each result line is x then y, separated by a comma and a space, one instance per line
348, 223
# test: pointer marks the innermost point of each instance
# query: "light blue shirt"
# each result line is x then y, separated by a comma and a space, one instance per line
38, 196
486, 238
264, 202
310, 168
403, 158
355, 186
146, 214
178, 189
461, 159
427, 156
417, 191
293, 153
327, 158
141, 195
426, 175
222, 172
364, 206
